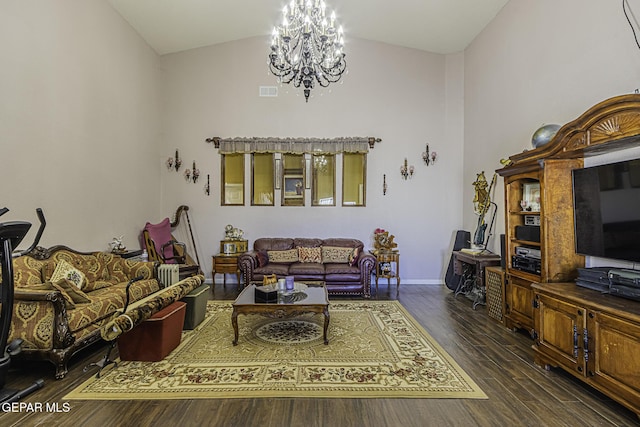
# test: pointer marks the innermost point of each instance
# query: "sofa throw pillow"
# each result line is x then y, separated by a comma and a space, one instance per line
48, 286
64, 270
263, 258
68, 287
283, 257
310, 255
335, 254
353, 256
98, 284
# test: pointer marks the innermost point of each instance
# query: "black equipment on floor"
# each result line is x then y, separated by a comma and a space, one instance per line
463, 240
11, 234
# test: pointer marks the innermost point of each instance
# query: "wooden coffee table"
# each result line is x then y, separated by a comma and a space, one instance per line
316, 301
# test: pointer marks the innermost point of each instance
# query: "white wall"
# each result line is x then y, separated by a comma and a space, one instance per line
79, 122
404, 96
539, 62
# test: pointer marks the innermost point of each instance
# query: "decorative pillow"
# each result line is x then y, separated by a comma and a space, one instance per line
310, 255
283, 257
353, 256
48, 286
69, 287
64, 270
98, 284
335, 254
263, 258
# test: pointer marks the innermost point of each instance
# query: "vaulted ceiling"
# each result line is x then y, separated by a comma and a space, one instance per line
439, 26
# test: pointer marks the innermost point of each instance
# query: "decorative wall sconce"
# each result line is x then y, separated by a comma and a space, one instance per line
174, 162
207, 187
405, 170
195, 173
192, 174
384, 184
429, 157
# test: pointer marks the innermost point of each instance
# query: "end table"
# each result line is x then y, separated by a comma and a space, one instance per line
225, 264
385, 261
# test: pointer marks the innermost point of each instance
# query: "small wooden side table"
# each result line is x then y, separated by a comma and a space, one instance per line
385, 268
225, 264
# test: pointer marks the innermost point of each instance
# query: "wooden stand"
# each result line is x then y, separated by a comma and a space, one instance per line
226, 264
594, 337
392, 260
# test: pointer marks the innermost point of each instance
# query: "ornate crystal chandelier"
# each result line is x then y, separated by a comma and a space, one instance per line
307, 49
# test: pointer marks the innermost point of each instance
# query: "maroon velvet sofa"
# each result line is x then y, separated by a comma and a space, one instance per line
341, 263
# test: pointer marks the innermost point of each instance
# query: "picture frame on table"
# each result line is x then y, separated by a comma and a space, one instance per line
531, 196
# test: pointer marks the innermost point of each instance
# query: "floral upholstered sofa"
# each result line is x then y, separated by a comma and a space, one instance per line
64, 297
340, 262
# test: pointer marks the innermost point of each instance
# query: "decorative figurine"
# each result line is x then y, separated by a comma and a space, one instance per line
117, 246
232, 233
382, 241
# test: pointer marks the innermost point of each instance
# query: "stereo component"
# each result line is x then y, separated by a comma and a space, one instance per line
530, 265
532, 220
528, 252
530, 233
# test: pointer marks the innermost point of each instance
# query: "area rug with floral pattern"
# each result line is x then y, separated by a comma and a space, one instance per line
376, 350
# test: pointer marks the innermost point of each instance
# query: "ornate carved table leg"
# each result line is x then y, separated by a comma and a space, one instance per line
325, 311
234, 323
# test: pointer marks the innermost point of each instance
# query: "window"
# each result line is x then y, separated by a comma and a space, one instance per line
354, 170
323, 180
232, 179
262, 179
294, 168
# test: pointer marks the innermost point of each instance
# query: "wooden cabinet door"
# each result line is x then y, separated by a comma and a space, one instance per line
559, 330
613, 358
519, 303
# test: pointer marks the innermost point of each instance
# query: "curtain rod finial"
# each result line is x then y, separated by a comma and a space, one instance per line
215, 140
373, 140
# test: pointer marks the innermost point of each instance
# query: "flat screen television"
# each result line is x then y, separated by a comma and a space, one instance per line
606, 201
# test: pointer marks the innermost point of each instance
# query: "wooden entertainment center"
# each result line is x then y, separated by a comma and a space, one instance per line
595, 337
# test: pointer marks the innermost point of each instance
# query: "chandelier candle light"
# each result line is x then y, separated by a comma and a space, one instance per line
307, 49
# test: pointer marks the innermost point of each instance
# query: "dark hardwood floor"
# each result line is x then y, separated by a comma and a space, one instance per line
499, 360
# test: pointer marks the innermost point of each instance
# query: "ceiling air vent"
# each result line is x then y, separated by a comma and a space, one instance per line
269, 91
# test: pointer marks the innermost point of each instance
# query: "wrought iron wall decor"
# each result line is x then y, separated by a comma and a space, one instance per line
192, 174
406, 171
174, 162
429, 157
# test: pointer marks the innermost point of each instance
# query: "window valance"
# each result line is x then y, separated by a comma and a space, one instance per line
294, 145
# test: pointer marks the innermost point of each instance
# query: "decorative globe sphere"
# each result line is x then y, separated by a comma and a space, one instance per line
543, 135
